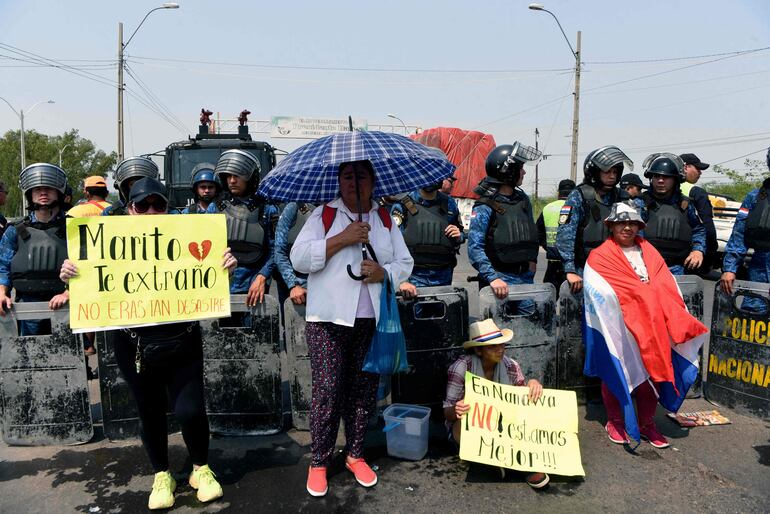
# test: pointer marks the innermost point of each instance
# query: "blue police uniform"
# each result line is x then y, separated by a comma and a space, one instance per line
480, 220
282, 247
696, 225
736, 250
243, 276
423, 276
198, 209
571, 221
9, 245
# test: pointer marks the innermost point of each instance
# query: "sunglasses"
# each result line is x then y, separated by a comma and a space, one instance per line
157, 205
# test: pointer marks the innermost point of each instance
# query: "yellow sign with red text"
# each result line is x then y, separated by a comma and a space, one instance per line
505, 428
146, 270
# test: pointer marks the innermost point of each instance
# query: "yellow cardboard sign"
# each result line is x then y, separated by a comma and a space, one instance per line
504, 428
145, 270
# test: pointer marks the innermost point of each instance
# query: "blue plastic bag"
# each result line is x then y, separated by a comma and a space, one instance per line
387, 353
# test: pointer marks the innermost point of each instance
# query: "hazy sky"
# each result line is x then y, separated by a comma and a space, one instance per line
493, 66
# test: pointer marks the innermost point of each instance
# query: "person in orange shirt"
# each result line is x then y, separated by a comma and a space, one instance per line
95, 189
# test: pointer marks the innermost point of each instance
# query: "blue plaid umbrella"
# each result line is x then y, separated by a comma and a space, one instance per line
309, 173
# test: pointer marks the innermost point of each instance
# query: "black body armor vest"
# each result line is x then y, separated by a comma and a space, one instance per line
424, 235
592, 231
42, 248
757, 234
304, 210
245, 235
668, 229
511, 239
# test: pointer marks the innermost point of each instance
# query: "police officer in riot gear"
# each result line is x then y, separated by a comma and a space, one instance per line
751, 230
673, 225
581, 219
129, 171
502, 241
433, 232
632, 184
547, 225
693, 169
33, 249
250, 222
293, 218
205, 188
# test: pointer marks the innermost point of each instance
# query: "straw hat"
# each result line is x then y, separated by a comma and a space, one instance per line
486, 333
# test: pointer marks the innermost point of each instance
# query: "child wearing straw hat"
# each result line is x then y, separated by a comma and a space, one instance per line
485, 357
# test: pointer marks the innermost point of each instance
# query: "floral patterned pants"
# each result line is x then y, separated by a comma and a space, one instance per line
340, 388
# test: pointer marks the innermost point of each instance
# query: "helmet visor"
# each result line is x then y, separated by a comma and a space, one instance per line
524, 154
650, 160
610, 156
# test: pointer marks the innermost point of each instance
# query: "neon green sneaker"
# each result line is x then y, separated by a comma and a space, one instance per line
162, 495
204, 480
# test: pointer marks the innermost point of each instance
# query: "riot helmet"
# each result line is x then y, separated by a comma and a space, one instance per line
665, 164
505, 162
239, 163
42, 174
133, 168
204, 172
603, 159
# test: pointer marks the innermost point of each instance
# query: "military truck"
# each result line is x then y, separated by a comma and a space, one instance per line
181, 157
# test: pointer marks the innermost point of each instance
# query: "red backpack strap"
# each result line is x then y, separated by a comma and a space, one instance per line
387, 221
327, 216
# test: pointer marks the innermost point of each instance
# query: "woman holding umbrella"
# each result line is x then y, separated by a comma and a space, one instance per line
347, 170
342, 314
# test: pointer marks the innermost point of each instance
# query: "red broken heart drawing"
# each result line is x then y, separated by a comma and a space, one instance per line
205, 248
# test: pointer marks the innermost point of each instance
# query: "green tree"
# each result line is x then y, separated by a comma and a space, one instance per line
80, 159
740, 183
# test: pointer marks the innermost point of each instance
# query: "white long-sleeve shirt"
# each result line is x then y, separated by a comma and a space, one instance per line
331, 294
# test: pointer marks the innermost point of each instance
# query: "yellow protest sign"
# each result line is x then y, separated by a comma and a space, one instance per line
145, 270
504, 428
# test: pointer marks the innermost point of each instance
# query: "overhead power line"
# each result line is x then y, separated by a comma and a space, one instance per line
688, 58
345, 68
30, 57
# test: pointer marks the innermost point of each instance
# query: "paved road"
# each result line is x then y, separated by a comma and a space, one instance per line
708, 469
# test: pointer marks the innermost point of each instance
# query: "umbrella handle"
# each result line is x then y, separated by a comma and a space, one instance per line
353, 275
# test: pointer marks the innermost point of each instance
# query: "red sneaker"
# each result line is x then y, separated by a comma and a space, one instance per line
617, 434
537, 480
363, 473
316, 481
650, 432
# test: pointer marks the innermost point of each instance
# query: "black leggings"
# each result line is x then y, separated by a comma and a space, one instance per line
183, 382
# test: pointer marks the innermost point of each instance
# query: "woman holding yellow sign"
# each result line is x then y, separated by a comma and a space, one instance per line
160, 359
486, 358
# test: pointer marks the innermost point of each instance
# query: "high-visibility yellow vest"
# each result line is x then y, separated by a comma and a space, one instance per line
685, 187
551, 221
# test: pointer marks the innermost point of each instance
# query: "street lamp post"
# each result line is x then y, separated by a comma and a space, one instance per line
576, 96
20, 114
61, 152
121, 62
406, 130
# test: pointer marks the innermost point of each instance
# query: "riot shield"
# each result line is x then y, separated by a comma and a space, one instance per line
120, 417
43, 384
298, 361
738, 372
435, 325
530, 311
570, 354
242, 371
691, 287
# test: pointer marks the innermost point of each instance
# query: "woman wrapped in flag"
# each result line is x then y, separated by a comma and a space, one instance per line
640, 339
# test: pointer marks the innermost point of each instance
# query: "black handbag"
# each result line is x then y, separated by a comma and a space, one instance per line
160, 345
